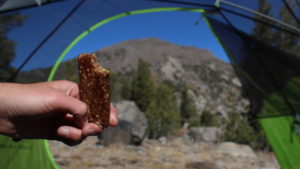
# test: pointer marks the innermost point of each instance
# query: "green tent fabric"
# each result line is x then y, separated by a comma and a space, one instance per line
267, 72
281, 131
285, 143
276, 95
14, 153
37, 151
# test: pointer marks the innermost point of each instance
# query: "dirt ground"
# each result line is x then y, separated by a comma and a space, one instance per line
154, 154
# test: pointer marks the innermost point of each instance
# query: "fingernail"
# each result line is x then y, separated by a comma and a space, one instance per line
90, 131
116, 119
112, 119
64, 132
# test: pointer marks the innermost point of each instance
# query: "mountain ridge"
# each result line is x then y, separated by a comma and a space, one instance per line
212, 82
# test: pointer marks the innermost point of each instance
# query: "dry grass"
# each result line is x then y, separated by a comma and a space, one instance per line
175, 154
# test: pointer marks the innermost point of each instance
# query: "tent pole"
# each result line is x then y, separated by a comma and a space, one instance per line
260, 14
40, 45
281, 92
297, 2
48, 2
288, 7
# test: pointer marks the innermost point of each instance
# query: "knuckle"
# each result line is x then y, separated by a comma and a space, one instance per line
73, 85
74, 88
65, 81
69, 83
82, 108
53, 98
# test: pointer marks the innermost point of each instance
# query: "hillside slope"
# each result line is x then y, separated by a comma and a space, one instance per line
212, 82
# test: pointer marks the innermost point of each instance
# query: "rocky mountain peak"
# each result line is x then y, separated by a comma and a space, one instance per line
155, 52
212, 82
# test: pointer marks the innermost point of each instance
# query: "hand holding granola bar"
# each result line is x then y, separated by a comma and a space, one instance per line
48, 110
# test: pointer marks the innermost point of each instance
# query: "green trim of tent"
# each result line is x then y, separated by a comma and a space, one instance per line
103, 22
94, 27
279, 130
272, 130
36, 150
49, 154
284, 142
39, 149
230, 55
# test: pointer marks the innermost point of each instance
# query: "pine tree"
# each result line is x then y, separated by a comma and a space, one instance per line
7, 53
285, 41
113, 86
126, 89
278, 38
208, 119
70, 71
152, 115
142, 86
163, 115
239, 130
261, 31
188, 108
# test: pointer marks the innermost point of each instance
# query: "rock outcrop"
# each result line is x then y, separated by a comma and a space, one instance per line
212, 82
132, 125
205, 134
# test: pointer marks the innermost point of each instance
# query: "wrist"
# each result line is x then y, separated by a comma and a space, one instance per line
6, 127
9, 93
4, 89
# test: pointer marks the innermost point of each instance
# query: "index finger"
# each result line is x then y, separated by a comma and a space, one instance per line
67, 87
73, 106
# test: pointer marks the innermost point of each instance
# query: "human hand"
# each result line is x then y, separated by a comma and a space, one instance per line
48, 110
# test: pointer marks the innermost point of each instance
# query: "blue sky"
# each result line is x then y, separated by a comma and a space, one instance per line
175, 27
